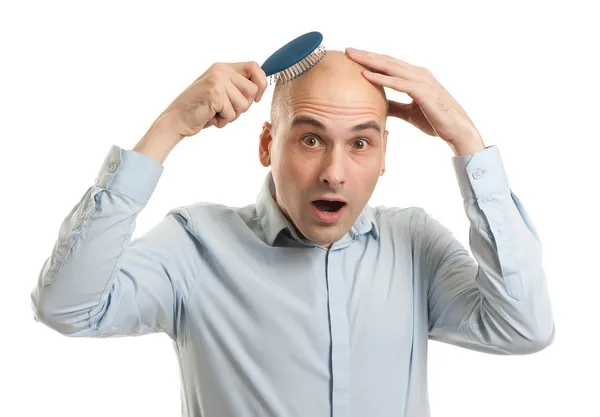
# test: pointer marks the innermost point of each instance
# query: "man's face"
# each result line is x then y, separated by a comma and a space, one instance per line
327, 149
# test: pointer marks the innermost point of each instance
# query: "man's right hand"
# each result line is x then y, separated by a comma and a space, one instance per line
216, 98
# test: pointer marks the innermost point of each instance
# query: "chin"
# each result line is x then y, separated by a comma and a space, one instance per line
325, 235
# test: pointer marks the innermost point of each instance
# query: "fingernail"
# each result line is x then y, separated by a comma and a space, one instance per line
354, 51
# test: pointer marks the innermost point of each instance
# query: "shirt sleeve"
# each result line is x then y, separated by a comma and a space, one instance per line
498, 301
96, 281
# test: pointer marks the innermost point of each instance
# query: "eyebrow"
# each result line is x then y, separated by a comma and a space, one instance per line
306, 120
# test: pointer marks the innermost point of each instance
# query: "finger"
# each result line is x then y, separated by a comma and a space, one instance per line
253, 72
375, 57
399, 110
238, 101
395, 83
385, 64
226, 113
245, 86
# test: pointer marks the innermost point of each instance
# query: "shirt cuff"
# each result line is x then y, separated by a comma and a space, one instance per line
130, 173
481, 174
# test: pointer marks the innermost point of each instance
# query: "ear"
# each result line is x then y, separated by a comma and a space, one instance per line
264, 144
385, 136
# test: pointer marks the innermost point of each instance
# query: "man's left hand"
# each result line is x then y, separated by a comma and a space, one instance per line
433, 110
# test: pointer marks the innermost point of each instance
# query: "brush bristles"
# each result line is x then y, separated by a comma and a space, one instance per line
299, 68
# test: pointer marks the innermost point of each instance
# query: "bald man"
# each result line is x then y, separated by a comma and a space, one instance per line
310, 302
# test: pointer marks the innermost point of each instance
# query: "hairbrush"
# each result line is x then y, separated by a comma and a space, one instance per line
294, 58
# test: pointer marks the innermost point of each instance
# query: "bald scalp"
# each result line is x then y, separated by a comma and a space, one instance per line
333, 62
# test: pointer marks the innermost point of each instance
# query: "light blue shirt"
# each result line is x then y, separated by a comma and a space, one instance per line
267, 324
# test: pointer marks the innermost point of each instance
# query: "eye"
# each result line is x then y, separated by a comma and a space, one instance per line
311, 141
361, 144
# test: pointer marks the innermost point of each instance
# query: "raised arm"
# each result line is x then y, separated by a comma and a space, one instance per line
97, 282
498, 301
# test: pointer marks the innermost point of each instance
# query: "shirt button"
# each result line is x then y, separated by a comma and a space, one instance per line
78, 224
477, 174
112, 167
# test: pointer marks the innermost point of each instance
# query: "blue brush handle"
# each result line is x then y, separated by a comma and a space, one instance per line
292, 53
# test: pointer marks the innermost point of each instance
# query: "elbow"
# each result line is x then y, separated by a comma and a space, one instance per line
534, 343
544, 340
58, 318
46, 313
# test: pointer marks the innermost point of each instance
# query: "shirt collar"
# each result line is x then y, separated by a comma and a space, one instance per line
273, 221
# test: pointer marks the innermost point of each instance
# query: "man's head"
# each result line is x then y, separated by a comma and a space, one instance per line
326, 141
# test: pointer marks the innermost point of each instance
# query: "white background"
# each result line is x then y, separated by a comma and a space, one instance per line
78, 77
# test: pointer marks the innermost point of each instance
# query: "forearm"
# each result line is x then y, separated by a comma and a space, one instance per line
513, 305
469, 145
159, 140
497, 302
75, 281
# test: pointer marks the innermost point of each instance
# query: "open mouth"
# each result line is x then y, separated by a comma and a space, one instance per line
328, 206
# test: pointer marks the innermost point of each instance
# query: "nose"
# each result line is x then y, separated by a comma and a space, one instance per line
333, 172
